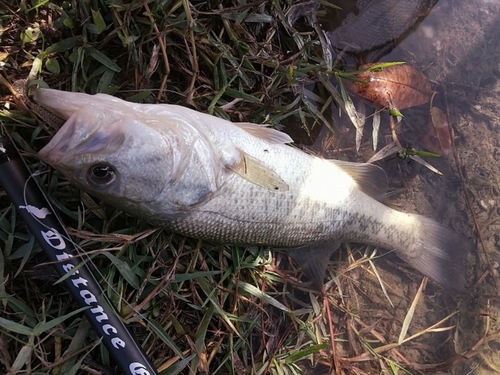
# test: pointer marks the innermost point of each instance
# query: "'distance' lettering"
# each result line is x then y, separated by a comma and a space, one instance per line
54, 239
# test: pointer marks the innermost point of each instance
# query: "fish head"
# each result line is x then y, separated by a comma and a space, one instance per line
110, 153
156, 157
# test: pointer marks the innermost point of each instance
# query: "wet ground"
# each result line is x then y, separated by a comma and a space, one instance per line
457, 47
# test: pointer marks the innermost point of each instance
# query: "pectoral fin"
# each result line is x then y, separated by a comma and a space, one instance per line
313, 260
255, 172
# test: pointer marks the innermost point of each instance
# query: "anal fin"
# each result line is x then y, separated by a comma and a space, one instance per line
313, 260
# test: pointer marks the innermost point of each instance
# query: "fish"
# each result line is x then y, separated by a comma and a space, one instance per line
238, 183
372, 27
379, 24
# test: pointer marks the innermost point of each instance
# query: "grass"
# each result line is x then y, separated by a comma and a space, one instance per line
195, 307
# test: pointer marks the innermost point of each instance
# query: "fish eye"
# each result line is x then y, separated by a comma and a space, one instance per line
102, 174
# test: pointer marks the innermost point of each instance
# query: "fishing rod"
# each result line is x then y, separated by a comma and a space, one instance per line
48, 230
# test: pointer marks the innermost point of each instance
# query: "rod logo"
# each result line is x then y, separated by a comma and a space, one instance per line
39, 213
137, 368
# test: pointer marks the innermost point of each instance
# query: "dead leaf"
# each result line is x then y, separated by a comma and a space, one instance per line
394, 87
438, 138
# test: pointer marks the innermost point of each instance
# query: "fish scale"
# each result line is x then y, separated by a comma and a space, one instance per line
239, 183
378, 23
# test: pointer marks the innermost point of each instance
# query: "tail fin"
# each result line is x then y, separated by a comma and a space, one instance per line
440, 253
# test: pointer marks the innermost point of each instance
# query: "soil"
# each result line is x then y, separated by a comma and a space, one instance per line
457, 47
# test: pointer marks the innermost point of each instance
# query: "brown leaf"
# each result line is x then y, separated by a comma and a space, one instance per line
438, 138
395, 87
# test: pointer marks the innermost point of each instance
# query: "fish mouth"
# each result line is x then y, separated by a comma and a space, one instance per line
83, 134
61, 103
60, 146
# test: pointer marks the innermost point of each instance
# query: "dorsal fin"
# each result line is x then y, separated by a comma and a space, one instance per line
264, 132
371, 179
255, 172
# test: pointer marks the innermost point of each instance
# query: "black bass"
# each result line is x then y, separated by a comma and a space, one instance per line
205, 177
379, 24
368, 25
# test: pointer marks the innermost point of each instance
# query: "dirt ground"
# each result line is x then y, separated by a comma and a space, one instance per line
457, 47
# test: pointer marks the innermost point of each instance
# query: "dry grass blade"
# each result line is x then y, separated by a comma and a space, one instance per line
411, 311
419, 160
376, 129
357, 120
381, 283
388, 150
433, 328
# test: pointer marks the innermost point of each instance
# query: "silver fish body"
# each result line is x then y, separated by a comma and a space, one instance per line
209, 178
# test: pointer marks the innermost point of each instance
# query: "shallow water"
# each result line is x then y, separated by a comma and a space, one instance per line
457, 46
